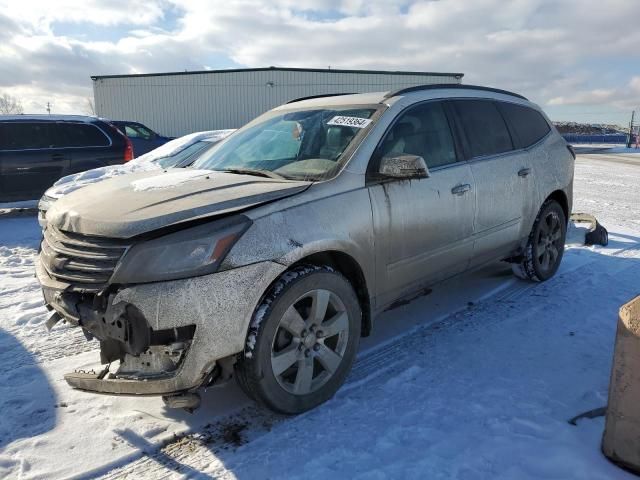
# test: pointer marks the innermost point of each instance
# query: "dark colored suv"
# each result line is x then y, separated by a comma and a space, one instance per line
36, 150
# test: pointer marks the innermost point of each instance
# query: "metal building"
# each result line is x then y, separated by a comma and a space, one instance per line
178, 103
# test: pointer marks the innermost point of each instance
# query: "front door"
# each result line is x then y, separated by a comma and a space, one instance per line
423, 227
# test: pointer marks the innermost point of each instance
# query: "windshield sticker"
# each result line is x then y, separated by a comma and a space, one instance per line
349, 122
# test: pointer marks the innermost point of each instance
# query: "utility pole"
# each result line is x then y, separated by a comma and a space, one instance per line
49, 108
633, 114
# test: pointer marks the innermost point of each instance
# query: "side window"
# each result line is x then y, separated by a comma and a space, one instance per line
145, 132
528, 124
24, 135
486, 132
82, 135
424, 131
131, 132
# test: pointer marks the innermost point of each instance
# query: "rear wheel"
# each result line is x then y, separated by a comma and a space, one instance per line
302, 340
545, 246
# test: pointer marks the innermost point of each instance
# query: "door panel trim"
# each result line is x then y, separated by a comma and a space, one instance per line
425, 256
497, 228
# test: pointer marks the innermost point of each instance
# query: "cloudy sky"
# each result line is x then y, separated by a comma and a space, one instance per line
579, 59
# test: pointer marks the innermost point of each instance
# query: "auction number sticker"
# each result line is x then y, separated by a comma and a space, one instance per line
349, 121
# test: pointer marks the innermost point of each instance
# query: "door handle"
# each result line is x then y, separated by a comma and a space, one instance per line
523, 172
461, 189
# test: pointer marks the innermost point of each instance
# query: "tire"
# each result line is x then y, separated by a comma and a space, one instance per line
295, 359
545, 245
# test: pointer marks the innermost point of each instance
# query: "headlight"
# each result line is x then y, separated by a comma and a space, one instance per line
187, 253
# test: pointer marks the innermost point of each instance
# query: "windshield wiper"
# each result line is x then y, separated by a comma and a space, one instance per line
253, 171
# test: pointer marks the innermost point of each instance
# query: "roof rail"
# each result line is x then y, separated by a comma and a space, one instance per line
311, 97
451, 85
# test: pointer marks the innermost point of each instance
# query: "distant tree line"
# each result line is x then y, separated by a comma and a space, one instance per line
10, 105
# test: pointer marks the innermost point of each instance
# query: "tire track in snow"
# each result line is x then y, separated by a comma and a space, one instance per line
193, 452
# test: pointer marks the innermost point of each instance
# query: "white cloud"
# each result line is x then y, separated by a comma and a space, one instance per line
627, 96
547, 50
40, 14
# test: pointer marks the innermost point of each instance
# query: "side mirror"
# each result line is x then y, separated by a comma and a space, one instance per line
404, 166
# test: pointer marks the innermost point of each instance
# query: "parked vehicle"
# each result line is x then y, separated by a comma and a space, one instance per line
142, 137
270, 257
36, 150
180, 152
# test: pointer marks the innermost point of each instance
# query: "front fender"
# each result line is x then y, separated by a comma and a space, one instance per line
339, 223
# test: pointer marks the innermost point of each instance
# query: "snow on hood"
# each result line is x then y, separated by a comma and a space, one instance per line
145, 162
71, 183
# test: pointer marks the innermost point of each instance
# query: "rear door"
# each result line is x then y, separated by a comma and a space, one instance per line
91, 147
500, 189
31, 159
423, 227
528, 129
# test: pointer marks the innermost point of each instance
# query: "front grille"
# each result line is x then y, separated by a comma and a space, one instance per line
80, 259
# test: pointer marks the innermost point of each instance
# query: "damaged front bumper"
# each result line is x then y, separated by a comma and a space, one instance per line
169, 337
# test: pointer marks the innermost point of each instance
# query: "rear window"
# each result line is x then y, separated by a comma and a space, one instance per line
528, 124
486, 132
82, 135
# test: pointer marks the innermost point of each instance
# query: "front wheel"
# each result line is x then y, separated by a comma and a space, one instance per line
545, 246
302, 340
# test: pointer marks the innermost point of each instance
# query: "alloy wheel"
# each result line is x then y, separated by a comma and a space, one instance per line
549, 241
310, 342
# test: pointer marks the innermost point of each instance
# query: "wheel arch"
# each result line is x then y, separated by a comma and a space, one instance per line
561, 197
352, 271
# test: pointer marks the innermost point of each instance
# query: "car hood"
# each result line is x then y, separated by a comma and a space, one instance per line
141, 202
76, 181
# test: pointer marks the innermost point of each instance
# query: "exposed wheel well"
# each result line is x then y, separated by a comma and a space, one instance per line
561, 197
347, 266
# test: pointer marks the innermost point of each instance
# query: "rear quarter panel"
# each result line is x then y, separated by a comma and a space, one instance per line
553, 170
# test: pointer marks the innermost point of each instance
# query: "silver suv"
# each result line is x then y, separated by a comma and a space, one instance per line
269, 258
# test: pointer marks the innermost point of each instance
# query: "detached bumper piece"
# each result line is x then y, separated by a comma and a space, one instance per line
597, 234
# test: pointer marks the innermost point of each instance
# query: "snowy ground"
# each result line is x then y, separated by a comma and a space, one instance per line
477, 380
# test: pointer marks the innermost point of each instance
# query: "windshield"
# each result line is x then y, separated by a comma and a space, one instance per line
304, 144
180, 157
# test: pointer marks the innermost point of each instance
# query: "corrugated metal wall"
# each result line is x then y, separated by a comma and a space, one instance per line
178, 104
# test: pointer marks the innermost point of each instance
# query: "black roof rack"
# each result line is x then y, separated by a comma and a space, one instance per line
450, 85
311, 97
